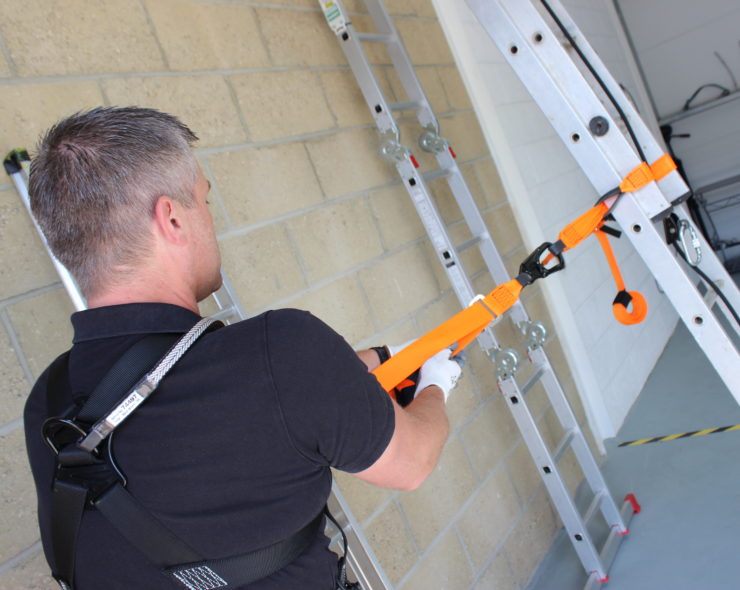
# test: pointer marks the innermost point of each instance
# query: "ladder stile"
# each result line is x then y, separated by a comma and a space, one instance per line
505, 359
606, 156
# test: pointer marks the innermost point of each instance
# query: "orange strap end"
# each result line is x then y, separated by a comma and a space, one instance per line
611, 259
663, 166
639, 308
582, 227
636, 179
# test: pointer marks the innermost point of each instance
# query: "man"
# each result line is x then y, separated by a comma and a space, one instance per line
232, 452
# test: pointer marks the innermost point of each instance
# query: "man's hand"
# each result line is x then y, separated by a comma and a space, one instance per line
440, 370
395, 349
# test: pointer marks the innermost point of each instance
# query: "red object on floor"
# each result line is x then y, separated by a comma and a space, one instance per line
632, 500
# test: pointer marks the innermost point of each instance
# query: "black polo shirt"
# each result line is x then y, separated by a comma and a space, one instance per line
232, 451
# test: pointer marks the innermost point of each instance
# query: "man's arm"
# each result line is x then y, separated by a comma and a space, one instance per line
421, 428
418, 438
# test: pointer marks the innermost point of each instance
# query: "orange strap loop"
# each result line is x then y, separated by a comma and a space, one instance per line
663, 166
461, 328
645, 173
624, 297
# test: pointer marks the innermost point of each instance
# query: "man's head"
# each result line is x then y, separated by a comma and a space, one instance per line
95, 184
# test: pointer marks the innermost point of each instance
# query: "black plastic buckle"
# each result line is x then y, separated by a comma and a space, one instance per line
13, 162
532, 269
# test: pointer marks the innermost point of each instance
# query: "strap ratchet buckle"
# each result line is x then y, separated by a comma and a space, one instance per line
532, 268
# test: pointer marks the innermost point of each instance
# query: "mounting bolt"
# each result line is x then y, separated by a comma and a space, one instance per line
599, 126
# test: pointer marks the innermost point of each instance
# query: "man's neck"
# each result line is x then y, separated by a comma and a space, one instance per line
141, 289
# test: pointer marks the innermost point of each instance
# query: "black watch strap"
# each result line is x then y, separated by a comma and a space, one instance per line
383, 353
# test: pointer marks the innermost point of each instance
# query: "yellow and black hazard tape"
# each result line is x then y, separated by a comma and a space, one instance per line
643, 441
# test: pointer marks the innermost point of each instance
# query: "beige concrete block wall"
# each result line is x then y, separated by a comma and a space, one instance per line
308, 216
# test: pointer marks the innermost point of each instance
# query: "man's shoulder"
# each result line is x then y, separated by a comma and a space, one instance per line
298, 326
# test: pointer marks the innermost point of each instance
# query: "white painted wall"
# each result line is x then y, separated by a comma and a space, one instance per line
675, 42
547, 189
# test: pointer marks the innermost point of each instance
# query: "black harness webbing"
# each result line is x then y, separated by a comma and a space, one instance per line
87, 480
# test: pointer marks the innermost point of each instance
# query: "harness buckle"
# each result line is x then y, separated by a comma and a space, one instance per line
533, 268
59, 432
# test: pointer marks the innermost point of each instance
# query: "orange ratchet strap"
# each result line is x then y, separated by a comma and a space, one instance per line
461, 328
464, 327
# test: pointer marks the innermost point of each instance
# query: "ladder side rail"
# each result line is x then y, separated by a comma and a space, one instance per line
580, 447
559, 64
634, 210
441, 241
447, 255
472, 215
360, 557
681, 291
355, 54
672, 186
548, 469
712, 266
412, 180
402, 64
547, 70
20, 179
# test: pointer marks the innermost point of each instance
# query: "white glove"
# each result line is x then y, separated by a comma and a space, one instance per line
441, 371
395, 349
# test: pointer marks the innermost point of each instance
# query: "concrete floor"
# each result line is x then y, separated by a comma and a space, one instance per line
687, 536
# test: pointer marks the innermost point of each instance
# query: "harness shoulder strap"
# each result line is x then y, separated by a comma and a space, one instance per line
81, 476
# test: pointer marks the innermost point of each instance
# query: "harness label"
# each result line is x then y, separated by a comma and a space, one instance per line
124, 409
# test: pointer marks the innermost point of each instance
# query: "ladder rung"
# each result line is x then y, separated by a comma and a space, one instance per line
410, 105
593, 507
469, 244
438, 173
563, 446
375, 38
226, 313
531, 381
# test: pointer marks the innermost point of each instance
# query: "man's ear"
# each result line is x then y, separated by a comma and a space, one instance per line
167, 219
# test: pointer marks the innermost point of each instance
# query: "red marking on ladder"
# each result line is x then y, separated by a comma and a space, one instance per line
413, 161
632, 500
454, 155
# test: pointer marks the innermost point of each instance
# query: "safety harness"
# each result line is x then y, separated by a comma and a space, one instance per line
87, 476
461, 329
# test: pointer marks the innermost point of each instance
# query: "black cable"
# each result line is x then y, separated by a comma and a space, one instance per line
631, 132
709, 282
725, 92
596, 76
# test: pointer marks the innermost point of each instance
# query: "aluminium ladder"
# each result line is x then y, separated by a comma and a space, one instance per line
360, 557
595, 561
543, 62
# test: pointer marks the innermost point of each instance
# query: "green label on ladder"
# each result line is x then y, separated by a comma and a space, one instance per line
334, 16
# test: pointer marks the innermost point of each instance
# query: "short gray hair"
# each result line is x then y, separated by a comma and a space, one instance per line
94, 183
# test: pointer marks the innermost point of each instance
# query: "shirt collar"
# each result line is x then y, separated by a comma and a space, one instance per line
131, 318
